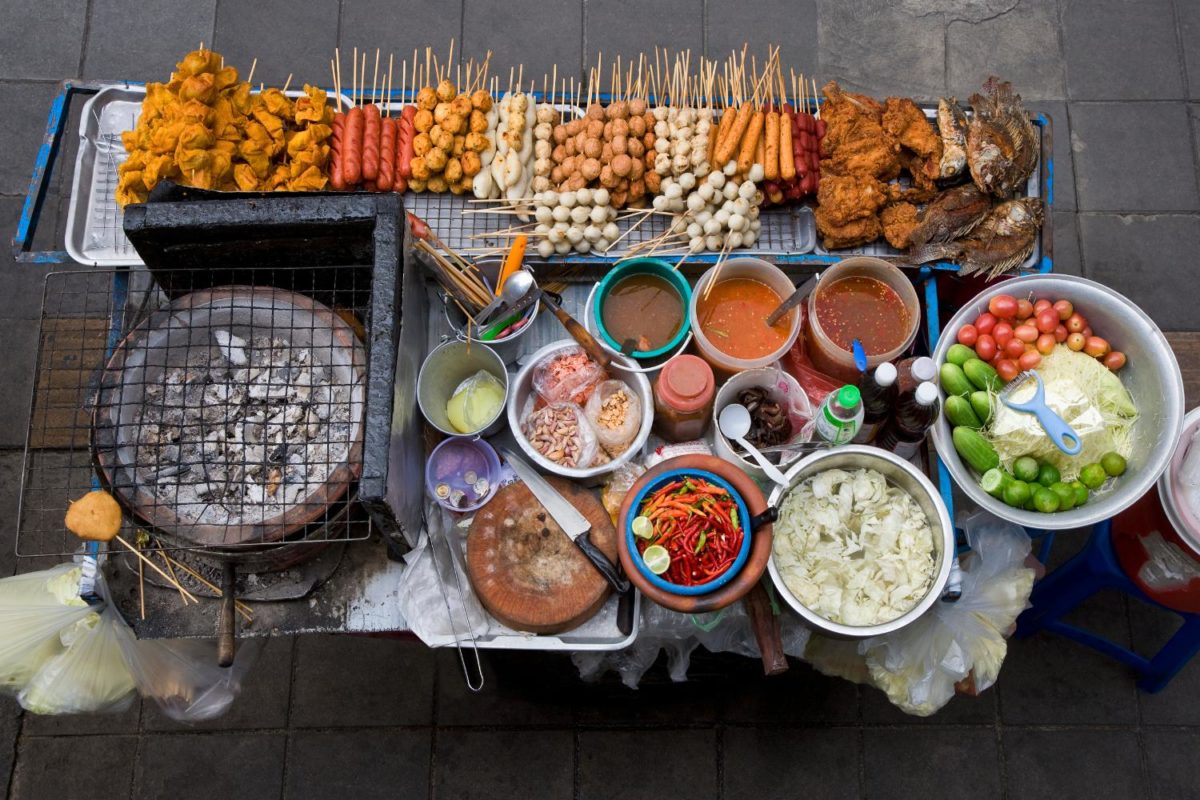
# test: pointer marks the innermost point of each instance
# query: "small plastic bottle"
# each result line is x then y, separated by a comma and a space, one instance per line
905, 431
912, 371
879, 399
840, 416
683, 398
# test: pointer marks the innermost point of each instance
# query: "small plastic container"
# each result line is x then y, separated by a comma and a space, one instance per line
683, 398
643, 266
755, 269
510, 347
783, 388
833, 360
458, 469
448, 365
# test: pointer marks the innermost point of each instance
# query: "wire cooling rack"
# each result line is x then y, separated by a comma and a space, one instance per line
222, 417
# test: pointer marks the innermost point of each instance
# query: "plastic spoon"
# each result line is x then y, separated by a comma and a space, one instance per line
735, 424
516, 287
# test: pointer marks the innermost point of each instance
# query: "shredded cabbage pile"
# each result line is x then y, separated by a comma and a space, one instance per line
852, 548
1085, 393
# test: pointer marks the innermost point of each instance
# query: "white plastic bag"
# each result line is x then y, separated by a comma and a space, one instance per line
562, 433
35, 610
182, 675
615, 438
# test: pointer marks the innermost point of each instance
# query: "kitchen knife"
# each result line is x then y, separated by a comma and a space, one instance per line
573, 523
794, 300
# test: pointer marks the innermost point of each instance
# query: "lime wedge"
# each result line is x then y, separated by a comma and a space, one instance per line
657, 559
643, 528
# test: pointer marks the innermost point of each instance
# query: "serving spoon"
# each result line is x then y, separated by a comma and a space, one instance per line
515, 287
735, 424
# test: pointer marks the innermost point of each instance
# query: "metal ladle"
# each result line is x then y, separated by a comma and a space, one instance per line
735, 424
515, 287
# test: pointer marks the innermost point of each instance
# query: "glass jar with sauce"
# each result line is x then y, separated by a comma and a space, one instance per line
683, 398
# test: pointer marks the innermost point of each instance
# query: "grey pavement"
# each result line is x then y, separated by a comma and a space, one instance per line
370, 717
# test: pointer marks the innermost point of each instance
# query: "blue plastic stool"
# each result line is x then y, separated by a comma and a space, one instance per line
1093, 569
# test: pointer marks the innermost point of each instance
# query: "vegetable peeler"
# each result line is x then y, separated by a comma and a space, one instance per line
1061, 433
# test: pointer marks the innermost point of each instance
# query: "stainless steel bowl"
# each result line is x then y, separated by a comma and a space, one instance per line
900, 474
1151, 375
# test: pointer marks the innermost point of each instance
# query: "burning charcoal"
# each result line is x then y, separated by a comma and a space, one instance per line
233, 348
279, 454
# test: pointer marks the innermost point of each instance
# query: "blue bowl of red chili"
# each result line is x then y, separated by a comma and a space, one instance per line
702, 522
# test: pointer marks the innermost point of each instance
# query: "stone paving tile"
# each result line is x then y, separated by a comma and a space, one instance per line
521, 32
359, 681
230, 766
10, 726
21, 130
782, 764
1188, 18
961, 710
1047, 680
24, 284
84, 724
262, 703
16, 379
615, 764
658, 700
628, 28
730, 23
367, 24
1115, 170
859, 45
11, 462
1096, 764
1175, 704
1029, 57
930, 763
473, 765
1171, 763
41, 39
1066, 244
801, 696
1064, 162
1121, 51
285, 37
362, 765
1136, 254
74, 768
519, 689
113, 24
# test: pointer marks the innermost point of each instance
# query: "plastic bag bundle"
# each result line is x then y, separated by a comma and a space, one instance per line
615, 412
567, 375
562, 434
36, 610
182, 676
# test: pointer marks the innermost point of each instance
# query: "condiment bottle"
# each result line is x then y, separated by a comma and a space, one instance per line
683, 398
915, 415
840, 415
912, 371
879, 398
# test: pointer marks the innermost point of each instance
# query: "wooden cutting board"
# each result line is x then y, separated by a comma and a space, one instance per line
525, 570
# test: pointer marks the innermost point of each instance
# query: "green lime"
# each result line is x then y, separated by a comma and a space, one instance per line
1026, 468
1016, 494
993, 482
1093, 476
1045, 500
1066, 496
643, 528
1081, 492
1113, 464
1048, 474
657, 559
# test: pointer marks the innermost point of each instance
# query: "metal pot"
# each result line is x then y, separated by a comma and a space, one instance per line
901, 474
1151, 375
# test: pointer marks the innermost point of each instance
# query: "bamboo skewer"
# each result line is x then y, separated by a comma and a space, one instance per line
156, 568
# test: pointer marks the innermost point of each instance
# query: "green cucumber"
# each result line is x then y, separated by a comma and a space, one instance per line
959, 354
981, 404
959, 412
954, 380
974, 449
981, 374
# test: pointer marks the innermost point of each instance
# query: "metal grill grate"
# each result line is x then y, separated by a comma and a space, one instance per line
221, 417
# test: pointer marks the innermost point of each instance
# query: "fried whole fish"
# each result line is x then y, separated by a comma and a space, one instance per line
1000, 242
952, 127
951, 215
1001, 143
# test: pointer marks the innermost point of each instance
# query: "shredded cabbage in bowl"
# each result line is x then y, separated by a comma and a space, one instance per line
853, 549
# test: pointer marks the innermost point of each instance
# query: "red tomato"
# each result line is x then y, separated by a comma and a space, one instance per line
1029, 360
967, 335
1003, 306
1060, 333
1007, 368
1047, 320
1015, 348
1024, 309
1002, 333
1114, 360
1064, 309
1076, 341
985, 347
1026, 333
1075, 323
1087, 331
1096, 347
985, 322
1045, 343
1040, 304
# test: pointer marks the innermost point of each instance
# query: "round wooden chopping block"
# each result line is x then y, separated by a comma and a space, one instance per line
525, 570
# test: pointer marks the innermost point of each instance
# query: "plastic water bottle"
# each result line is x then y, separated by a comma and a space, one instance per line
905, 431
879, 399
840, 415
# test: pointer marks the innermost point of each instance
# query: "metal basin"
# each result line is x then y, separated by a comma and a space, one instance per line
901, 474
1151, 375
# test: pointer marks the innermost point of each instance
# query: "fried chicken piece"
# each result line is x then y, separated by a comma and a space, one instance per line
855, 141
899, 220
836, 237
845, 198
909, 125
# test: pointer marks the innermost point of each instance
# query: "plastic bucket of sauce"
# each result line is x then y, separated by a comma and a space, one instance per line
644, 298
860, 298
